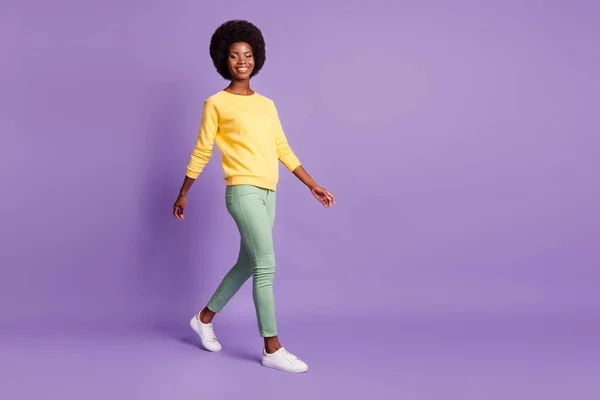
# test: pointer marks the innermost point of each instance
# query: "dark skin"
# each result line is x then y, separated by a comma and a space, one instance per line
241, 64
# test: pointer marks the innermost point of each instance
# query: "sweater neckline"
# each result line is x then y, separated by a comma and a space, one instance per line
239, 95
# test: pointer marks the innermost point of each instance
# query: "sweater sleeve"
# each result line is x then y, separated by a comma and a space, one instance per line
202, 152
284, 151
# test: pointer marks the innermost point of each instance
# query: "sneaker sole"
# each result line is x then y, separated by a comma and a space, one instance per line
268, 365
194, 325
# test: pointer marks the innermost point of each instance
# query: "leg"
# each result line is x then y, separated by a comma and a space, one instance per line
248, 207
231, 283
253, 210
274, 355
271, 342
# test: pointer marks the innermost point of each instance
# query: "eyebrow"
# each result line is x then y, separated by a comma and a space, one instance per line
237, 52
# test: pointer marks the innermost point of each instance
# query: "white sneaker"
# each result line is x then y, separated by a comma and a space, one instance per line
283, 360
206, 333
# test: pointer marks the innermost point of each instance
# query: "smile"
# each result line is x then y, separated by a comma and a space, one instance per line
242, 69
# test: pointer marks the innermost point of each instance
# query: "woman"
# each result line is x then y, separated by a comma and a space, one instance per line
247, 130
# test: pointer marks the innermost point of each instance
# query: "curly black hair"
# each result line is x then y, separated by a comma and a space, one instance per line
236, 31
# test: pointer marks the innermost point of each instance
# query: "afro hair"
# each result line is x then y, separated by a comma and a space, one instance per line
236, 31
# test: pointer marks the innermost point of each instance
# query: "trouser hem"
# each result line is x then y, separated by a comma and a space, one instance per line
212, 308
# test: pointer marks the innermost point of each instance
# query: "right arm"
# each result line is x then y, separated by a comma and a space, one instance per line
200, 155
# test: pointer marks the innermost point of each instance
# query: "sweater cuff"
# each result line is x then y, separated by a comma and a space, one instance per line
291, 162
191, 174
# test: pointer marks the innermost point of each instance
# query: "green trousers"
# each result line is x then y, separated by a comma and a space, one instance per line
253, 210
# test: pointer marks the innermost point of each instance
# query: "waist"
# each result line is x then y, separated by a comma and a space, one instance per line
251, 180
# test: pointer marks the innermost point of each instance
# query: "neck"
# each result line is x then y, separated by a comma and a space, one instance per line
240, 87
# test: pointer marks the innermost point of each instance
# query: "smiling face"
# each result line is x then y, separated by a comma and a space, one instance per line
240, 61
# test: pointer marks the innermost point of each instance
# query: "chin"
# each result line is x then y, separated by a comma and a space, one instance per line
242, 76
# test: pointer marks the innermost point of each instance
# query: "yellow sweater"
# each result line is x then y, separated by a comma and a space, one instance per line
248, 132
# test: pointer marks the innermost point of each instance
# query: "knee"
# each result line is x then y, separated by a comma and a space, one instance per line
243, 264
244, 270
264, 267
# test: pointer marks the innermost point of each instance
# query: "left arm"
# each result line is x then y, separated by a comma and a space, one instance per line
291, 162
320, 193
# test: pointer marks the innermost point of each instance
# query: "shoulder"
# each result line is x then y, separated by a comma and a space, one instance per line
214, 98
266, 100
214, 103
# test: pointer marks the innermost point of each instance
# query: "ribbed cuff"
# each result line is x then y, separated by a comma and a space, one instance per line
291, 163
192, 174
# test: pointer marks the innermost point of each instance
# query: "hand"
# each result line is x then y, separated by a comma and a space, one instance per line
323, 196
179, 206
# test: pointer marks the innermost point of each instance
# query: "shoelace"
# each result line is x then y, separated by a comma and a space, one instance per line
211, 334
289, 356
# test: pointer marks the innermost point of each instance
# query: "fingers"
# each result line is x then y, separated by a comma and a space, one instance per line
331, 197
324, 196
178, 212
321, 198
327, 198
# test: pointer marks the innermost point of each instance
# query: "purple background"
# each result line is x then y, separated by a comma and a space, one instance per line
461, 141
